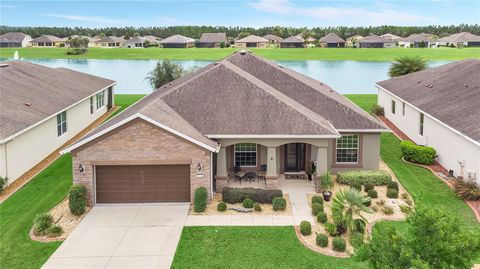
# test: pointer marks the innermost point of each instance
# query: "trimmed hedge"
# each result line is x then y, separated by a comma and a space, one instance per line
237, 195
392, 193
248, 203
305, 227
368, 187
200, 199
372, 194
322, 217
374, 177
279, 203
77, 199
418, 154
257, 207
322, 240
222, 207
338, 244
393, 185
316, 208
317, 199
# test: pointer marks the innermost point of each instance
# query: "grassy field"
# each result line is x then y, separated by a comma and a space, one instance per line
273, 54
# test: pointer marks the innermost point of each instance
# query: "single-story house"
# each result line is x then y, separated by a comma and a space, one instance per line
353, 41
252, 41
43, 108
309, 41
332, 40
242, 111
212, 40
134, 42
152, 40
422, 40
273, 39
391, 37
292, 42
177, 41
374, 41
110, 42
439, 107
15, 39
461, 39
47, 41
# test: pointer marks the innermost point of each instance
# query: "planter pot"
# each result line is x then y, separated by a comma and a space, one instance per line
327, 195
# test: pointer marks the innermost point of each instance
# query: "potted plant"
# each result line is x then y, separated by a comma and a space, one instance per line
326, 185
311, 171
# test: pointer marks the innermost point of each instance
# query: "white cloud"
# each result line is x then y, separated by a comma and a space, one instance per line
94, 19
7, 6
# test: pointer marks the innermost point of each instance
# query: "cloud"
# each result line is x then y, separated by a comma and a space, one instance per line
94, 19
382, 14
7, 6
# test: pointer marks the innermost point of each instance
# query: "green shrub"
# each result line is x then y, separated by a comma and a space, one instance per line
257, 207
409, 202
381, 202
317, 199
374, 177
338, 244
377, 110
417, 154
200, 199
279, 203
77, 199
331, 228
41, 223
406, 209
374, 208
368, 202
237, 195
322, 240
222, 207
54, 231
322, 217
356, 240
392, 185
359, 226
3, 183
392, 193
368, 187
316, 208
357, 186
388, 210
305, 227
247, 203
372, 194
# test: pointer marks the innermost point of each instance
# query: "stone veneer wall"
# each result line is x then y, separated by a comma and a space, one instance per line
136, 142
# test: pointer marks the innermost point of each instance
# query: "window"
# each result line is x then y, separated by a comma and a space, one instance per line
393, 107
403, 108
347, 149
246, 154
62, 123
91, 105
421, 124
100, 99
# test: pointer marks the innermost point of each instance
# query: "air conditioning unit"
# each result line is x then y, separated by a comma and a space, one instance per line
471, 175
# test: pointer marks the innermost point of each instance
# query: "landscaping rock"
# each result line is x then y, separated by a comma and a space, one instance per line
242, 210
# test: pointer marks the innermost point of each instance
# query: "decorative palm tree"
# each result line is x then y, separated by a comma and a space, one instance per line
326, 184
347, 207
407, 64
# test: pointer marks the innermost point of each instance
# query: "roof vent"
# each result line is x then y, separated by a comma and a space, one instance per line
466, 86
418, 82
28, 104
243, 52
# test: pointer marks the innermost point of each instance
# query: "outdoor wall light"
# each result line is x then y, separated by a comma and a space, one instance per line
81, 169
199, 168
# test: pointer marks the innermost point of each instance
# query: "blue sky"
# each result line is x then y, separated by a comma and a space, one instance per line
254, 13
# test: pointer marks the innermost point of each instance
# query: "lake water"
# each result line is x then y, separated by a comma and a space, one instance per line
343, 76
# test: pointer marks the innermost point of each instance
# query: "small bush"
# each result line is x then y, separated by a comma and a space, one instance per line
381, 202
41, 223
200, 199
392, 193
316, 208
77, 199
372, 194
409, 202
279, 203
367, 202
322, 240
368, 187
405, 196
357, 186
317, 199
322, 217
247, 203
406, 209
467, 190
418, 154
392, 185
331, 228
257, 207
338, 244
377, 110
237, 195
388, 210
3, 183
54, 231
374, 177
305, 227
356, 240
222, 207
374, 208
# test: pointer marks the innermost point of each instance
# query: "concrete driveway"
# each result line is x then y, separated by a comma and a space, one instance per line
123, 236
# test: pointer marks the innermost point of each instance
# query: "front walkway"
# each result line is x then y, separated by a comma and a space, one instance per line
123, 236
297, 190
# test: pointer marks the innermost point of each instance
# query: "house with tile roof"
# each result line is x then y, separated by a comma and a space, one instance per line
292, 42
375, 41
109, 42
332, 40
252, 41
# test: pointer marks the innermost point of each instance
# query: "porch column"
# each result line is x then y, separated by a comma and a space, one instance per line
221, 177
321, 161
272, 176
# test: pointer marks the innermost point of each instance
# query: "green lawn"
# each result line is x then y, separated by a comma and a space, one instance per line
274, 54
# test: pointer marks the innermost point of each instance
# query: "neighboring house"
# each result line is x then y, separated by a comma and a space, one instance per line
177, 41
353, 41
212, 40
309, 41
273, 39
292, 42
110, 42
14, 39
153, 40
91, 40
439, 107
332, 41
43, 108
252, 41
134, 42
242, 111
391, 37
374, 41
461, 39
418, 41
47, 41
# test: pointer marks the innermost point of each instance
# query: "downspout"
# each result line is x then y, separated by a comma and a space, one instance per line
6, 162
211, 174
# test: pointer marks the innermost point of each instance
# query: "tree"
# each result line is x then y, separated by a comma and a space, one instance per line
79, 45
407, 64
164, 72
242, 35
347, 207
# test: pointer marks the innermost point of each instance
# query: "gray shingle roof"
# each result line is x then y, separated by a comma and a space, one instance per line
177, 39
47, 90
374, 39
46, 39
252, 39
423, 37
292, 39
453, 97
331, 38
13, 37
272, 38
213, 38
460, 38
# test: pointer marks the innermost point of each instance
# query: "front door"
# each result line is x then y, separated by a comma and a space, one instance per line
294, 157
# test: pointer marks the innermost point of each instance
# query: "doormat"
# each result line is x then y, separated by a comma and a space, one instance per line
293, 176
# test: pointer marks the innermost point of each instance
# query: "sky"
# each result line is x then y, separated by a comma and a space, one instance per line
251, 13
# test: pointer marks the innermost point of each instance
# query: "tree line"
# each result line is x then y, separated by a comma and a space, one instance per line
196, 31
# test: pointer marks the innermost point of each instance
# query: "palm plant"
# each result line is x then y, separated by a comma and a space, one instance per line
326, 182
347, 208
407, 64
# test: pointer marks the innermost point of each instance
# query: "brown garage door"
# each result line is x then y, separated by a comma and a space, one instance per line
142, 183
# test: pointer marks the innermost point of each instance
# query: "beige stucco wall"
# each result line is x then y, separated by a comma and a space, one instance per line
31, 147
243, 45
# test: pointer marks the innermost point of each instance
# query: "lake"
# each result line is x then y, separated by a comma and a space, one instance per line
343, 76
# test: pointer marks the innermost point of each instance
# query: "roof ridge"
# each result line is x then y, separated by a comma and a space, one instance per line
282, 97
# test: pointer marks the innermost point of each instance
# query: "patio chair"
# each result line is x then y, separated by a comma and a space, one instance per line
235, 177
262, 173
